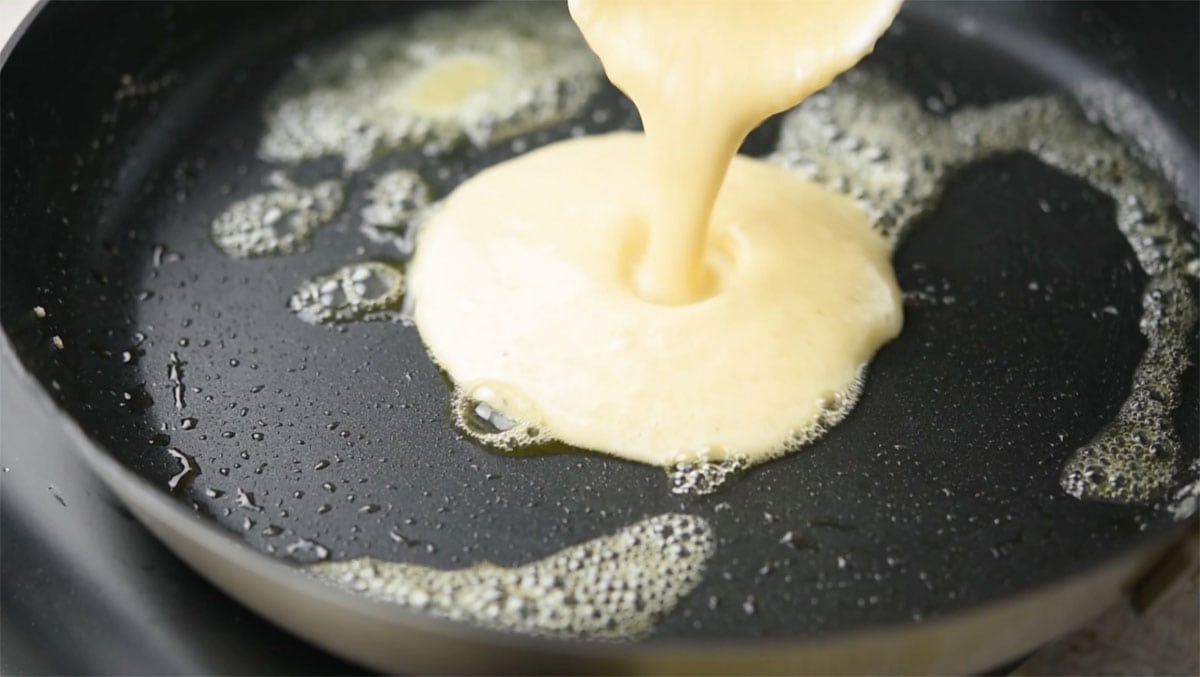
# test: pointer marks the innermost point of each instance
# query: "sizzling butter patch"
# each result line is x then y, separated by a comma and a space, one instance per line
870, 139
485, 73
612, 587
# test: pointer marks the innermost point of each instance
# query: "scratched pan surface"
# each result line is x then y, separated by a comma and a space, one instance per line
940, 492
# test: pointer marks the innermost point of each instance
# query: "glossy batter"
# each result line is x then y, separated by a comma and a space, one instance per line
601, 293
703, 73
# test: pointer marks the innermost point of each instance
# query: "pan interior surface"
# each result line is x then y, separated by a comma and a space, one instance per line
306, 441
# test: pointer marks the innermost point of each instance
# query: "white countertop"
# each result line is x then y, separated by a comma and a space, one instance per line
11, 14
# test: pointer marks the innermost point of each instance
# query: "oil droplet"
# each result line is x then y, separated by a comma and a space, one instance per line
307, 550
188, 469
175, 375
245, 500
276, 223
498, 415
136, 400
701, 476
397, 201
371, 290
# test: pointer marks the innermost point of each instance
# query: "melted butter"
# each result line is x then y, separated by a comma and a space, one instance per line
600, 292
482, 73
370, 290
277, 223
446, 85
871, 139
613, 587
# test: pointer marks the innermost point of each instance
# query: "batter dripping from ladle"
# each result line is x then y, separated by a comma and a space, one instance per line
653, 297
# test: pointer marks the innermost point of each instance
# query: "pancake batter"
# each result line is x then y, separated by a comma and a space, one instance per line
600, 292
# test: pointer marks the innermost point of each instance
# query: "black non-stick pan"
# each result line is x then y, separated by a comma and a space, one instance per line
929, 531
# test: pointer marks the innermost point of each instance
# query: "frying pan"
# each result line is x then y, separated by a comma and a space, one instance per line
929, 531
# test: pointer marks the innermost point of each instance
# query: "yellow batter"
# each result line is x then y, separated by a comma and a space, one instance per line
600, 292
703, 73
